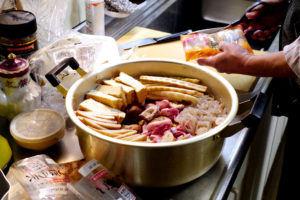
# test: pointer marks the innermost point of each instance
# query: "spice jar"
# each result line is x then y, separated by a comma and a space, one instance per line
17, 33
18, 93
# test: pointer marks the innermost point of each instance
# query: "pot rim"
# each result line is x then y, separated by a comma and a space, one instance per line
210, 133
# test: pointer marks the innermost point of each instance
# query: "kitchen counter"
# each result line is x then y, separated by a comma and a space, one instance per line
218, 181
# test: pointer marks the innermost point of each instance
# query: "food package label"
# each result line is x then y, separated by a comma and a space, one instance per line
98, 183
198, 45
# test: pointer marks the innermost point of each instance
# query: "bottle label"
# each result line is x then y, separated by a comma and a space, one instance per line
95, 17
89, 167
20, 49
19, 82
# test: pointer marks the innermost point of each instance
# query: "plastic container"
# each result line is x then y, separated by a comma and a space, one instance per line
37, 129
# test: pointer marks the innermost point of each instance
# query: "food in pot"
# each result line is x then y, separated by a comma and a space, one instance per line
151, 108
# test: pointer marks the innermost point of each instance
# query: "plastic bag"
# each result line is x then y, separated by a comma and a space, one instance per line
38, 177
50, 16
91, 52
198, 45
6, 5
93, 182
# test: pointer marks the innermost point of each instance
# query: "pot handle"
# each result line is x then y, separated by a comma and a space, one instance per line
249, 117
51, 76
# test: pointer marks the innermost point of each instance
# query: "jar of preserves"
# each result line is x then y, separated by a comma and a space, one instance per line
18, 93
17, 33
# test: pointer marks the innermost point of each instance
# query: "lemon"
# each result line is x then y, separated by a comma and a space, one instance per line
5, 152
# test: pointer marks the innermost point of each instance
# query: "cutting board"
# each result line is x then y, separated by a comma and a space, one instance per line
174, 50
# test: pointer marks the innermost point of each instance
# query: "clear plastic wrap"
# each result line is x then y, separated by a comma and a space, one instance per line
6, 5
90, 51
50, 16
38, 177
92, 182
203, 45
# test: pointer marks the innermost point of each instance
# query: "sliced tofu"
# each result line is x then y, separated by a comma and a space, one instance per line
115, 133
105, 132
116, 91
91, 124
92, 105
95, 115
174, 82
140, 89
136, 137
172, 96
105, 98
97, 119
192, 80
174, 89
129, 91
95, 123
140, 138
133, 132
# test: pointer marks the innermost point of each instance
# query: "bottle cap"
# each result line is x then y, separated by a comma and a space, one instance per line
17, 24
13, 67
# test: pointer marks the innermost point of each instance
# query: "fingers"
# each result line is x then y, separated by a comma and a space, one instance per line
224, 46
255, 12
210, 61
264, 34
229, 47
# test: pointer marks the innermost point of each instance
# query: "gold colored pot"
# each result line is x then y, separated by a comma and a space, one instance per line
154, 164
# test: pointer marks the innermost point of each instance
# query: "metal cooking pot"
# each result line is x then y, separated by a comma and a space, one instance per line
153, 164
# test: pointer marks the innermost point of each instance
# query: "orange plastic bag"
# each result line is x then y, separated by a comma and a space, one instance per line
198, 45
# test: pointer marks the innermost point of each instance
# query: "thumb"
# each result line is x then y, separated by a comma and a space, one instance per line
255, 12
206, 61
224, 46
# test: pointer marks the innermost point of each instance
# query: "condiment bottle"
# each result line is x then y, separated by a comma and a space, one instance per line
17, 33
95, 17
18, 93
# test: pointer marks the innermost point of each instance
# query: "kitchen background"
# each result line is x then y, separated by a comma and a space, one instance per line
178, 16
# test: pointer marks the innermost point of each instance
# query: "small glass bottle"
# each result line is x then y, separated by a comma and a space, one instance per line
18, 93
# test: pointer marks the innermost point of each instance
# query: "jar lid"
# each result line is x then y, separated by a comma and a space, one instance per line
13, 67
37, 129
17, 23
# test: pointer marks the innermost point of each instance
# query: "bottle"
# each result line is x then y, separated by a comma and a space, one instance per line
17, 33
95, 17
18, 93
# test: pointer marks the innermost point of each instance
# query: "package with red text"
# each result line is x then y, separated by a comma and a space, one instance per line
40, 178
198, 45
94, 182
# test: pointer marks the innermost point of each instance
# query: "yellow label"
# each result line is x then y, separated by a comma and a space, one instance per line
18, 44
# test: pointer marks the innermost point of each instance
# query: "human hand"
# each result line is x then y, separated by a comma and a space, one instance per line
264, 19
232, 59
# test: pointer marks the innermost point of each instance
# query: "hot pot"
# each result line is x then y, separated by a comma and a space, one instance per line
153, 164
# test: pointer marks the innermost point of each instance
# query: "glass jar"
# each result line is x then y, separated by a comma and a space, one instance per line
17, 33
18, 93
